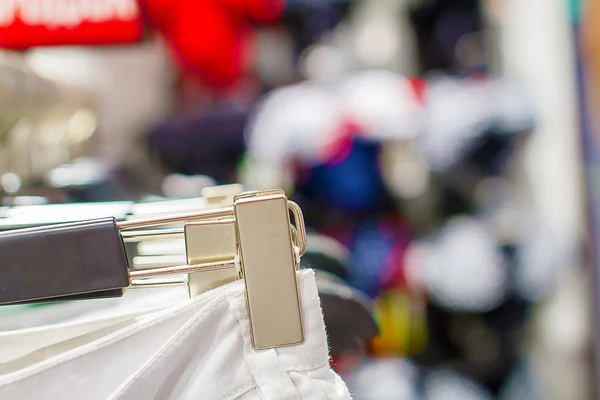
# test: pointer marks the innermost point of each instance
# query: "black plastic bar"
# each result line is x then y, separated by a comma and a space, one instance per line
58, 262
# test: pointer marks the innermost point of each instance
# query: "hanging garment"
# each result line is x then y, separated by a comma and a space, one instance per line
199, 349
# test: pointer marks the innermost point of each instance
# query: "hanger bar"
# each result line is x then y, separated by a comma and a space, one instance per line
181, 269
60, 261
141, 262
139, 236
156, 282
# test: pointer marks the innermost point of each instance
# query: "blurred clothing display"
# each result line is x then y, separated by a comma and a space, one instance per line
450, 36
211, 144
210, 38
433, 147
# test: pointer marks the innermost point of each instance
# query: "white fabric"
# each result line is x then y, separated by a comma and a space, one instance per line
200, 349
19, 317
71, 327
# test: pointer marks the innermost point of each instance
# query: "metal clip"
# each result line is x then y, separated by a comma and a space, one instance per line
256, 232
204, 242
268, 264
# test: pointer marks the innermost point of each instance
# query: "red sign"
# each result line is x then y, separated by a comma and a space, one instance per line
29, 23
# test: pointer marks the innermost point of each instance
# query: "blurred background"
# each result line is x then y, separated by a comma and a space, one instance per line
444, 153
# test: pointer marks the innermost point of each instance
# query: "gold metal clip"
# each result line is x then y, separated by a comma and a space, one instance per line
268, 263
254, 235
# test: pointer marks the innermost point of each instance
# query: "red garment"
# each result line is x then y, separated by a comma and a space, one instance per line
210, 38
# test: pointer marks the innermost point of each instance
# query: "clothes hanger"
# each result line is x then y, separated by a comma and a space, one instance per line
87, 259
348, 331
